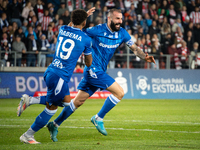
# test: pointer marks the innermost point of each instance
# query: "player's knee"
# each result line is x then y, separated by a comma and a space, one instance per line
120, 94
78, 103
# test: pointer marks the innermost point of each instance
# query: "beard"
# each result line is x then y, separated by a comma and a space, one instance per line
113, 26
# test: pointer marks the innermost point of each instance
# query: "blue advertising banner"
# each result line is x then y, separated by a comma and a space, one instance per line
158, 84
137, 83
13, 85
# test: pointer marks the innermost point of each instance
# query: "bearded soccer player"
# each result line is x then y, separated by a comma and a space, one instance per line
72, 42
105, 39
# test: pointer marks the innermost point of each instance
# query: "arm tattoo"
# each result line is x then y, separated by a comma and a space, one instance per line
138, 52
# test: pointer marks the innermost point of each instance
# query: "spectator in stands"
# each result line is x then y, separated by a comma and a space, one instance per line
45, 20
177, 24
20, 33
110, 4
195, 56
197, 33
62, 9
194, 15
184, 14
3, 20
191, 6
4, 30
52, 50
60, 23
184, 55
165, 28
104, 13
140, 33
189, 39
26, 10
189, 27
24, 26
165, 6
49, 33
166, 42
172, 14
51, 12
153, 29
4, 8
44, 48
38, 30
146, 23
143, 7
38, 9
19, 47
6, 53
15, 12
30, 31
152, 11
65, 17
33, 47
34, 22
156, 50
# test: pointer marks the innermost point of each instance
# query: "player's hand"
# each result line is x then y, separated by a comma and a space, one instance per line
90, 11
150, 59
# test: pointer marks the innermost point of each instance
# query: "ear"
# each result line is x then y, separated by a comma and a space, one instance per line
84, 23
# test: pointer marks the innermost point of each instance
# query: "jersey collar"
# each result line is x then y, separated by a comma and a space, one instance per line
75, 28
109, 29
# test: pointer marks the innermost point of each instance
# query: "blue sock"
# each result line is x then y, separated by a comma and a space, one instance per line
66, 112
109, 103
43, 100
42, 119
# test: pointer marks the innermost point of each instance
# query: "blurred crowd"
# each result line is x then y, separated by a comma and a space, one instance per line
158, 27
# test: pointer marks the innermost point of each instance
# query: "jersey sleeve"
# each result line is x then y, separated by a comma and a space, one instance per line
127, 39
88, 47
92, 31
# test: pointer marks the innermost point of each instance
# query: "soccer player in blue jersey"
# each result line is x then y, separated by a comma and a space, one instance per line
105, 39
72, 41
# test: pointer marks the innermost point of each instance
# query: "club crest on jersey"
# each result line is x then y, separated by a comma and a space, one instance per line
116, 34
110, 36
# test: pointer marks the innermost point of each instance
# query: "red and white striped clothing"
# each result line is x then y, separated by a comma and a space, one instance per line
69, 5
40, 11
177, 61
45, 20
145, 7
172, 13
184, 14
195, 17
184, 52
110, 4
198, 60
82, 3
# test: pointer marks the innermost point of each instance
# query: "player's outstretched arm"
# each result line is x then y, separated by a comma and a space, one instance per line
138, 52
90, 11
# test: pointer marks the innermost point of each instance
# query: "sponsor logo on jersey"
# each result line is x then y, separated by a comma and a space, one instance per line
108, 46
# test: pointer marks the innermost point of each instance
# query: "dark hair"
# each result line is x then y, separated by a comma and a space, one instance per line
78, 16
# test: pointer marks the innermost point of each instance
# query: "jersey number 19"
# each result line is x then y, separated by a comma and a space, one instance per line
59, 51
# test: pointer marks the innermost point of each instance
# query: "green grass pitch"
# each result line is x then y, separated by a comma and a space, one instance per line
131, 125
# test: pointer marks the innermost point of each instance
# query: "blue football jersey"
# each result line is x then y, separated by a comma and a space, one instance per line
104, 44
71, 43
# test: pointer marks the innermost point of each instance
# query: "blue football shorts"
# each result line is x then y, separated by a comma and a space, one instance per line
93, 81
57, 88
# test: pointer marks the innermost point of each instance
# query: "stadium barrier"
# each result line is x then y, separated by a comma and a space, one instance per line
137, 83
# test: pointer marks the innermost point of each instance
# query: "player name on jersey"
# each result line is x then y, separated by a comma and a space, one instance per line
71, 35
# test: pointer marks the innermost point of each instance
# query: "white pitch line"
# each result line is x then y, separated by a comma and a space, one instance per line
142, 121
148, 130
